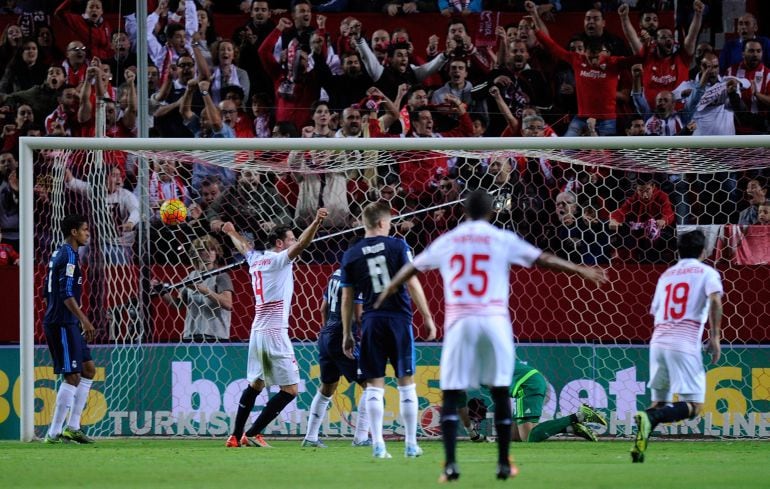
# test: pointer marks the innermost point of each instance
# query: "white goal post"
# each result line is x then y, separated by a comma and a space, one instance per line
697, 155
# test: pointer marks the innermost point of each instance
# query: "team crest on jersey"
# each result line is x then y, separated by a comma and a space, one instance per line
74, 364
70, 271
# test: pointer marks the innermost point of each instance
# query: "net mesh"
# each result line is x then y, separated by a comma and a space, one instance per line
171, 356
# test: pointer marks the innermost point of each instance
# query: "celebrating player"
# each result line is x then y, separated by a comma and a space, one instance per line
66, 341
474, 261
386, 333
271, 355
334, 363
687, 294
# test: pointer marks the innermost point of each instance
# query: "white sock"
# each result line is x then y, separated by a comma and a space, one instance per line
64, 400
362, 420
81, 396
316, 415
375, 407
408, 405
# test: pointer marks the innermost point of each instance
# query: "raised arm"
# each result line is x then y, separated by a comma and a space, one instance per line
533, 12
308, 234
513, 123
129, 117
241, 244
692, 33
628, 30
371, 64
637, 93
185, 107
215, 116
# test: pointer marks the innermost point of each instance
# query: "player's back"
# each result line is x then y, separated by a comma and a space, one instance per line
474, 260
62, 281
272, 280
368, 267
333, 298
681, 304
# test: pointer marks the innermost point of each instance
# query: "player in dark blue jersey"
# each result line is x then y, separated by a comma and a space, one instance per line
66, 341
333, 363
386, 333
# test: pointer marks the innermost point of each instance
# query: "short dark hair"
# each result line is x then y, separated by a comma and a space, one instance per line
479, 204
393, 46
278, 233
70, 222
172, 29
457, 20
691, 244
287, 129
761, 180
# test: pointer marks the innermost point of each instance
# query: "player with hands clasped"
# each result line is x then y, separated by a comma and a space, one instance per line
474, 261
66, 341
386, 331
271, 358
687, 295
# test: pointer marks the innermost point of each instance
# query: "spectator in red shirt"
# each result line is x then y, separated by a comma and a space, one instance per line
596, 81
649, 222
664, 68
295, 87
90, 27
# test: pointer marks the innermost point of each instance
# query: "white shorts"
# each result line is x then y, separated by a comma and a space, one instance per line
477, 351
271, 358
675, 372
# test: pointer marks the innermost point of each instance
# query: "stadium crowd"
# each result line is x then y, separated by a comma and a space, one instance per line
286, 72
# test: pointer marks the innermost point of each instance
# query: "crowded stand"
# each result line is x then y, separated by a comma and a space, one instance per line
399, 69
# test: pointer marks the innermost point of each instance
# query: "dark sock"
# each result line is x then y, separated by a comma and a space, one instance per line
669, 413
502, 422
245, 405
546, 429
449, 421
271, 411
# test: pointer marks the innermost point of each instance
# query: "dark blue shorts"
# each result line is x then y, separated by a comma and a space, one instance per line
333, 361
386, 339
68, 348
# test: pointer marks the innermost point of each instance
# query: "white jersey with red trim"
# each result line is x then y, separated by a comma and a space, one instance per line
272, 280
474, 260
681, 305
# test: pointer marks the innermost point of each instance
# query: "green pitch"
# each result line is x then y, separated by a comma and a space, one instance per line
187, 464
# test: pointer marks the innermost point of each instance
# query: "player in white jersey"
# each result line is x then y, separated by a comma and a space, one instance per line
271, 356
687, 295
474, 260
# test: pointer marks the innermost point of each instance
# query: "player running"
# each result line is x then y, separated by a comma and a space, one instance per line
687, 295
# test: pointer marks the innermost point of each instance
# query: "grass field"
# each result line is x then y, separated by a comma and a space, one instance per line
187, 464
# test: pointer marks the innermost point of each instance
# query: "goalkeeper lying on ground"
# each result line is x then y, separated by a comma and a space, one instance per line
528, 390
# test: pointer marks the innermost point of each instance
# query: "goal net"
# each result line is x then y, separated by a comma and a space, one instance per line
171, 347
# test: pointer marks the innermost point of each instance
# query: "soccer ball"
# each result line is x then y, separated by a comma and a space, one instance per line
173, 212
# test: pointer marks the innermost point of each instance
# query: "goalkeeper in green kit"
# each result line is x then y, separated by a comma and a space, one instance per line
528, 389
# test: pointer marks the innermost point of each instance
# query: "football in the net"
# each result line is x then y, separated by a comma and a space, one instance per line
173, 212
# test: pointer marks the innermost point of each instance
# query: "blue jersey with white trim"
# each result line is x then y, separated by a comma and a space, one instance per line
333, 298
368, 267
62, 281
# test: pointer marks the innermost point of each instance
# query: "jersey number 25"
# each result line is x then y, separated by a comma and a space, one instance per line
475, 278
